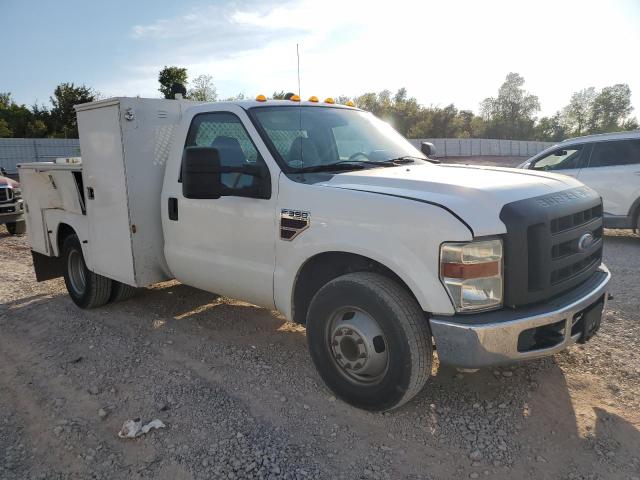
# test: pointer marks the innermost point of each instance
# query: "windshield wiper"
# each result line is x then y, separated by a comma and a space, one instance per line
412, 159
343, 165
405, 159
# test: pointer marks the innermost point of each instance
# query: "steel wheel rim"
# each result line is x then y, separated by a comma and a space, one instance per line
357, 346
75, 267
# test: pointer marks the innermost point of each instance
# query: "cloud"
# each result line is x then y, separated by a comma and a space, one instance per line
443, 52
215, 23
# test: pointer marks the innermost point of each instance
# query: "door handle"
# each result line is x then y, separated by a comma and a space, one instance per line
173, 208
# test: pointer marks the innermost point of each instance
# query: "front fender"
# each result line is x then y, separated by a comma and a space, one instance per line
401, 234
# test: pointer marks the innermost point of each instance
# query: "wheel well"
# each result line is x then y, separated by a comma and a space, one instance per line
636, 215
64, 230
324, 267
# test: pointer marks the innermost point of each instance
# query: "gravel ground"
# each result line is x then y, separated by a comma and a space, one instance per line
236, 388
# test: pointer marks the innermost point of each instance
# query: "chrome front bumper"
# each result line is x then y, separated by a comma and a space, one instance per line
10, 212
491, 338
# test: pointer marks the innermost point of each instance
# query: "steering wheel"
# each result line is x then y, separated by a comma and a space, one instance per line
358, 154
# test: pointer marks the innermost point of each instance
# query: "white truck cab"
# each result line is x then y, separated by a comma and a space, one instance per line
326, 214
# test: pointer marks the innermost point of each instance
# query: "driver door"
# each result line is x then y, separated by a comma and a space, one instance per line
224, 245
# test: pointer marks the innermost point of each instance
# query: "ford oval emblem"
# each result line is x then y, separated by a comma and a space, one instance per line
585, 241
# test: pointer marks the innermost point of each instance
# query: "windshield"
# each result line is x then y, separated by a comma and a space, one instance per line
311, 137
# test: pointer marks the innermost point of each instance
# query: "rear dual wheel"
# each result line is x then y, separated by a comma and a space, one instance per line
86, 288
369, 340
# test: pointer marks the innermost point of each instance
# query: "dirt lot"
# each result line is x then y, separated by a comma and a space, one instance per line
236, 388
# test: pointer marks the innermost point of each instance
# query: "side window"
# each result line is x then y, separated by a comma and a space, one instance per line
609, 154
225, 132
561, 159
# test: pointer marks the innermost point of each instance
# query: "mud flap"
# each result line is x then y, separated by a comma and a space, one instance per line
46, 267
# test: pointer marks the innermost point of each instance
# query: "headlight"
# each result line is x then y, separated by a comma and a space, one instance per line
17, 193
472, 274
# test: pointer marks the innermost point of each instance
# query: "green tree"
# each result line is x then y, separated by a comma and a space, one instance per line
630, 124
170, 75
63, 115
18, 120
611, 109
235, 98
279, 95
5, 131
35, 128
551, 129
511, 115
398, 109
576, 115
203, 89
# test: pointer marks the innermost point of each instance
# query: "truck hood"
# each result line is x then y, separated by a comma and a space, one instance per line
4, 182
475, 194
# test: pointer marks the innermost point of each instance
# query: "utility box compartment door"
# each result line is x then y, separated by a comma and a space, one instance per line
104, 176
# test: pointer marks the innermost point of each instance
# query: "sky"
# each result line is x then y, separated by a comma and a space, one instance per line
443, 52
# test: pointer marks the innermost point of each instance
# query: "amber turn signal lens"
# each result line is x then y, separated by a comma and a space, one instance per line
313, 98
329, 100
350, 104
468, 271
261, 98
295, 98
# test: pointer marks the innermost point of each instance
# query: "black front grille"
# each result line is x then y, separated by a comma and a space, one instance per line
553, 244
575, 219
5, 194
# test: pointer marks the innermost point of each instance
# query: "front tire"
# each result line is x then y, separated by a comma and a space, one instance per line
86, 288
16, 228
369, 340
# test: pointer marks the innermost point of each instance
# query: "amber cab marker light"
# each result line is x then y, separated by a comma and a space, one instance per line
350, 104
261, 98
469, 271
329, 100
313, 98
295, 98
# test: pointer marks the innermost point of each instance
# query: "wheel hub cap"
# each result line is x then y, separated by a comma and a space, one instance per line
358, 345
76, 272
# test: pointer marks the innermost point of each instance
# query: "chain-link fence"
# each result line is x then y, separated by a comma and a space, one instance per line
22, 150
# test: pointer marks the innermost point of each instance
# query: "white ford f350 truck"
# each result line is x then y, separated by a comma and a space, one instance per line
11, 206
326, 214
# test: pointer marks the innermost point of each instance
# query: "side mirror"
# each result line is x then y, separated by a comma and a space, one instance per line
201, 176
427, 148
201, 173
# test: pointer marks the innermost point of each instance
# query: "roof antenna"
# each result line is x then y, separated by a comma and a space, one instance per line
299, 102
298, 55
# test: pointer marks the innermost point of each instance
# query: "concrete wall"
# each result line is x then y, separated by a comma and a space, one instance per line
22, 150
473, 147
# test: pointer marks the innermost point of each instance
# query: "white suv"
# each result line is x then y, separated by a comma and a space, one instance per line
609, 163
